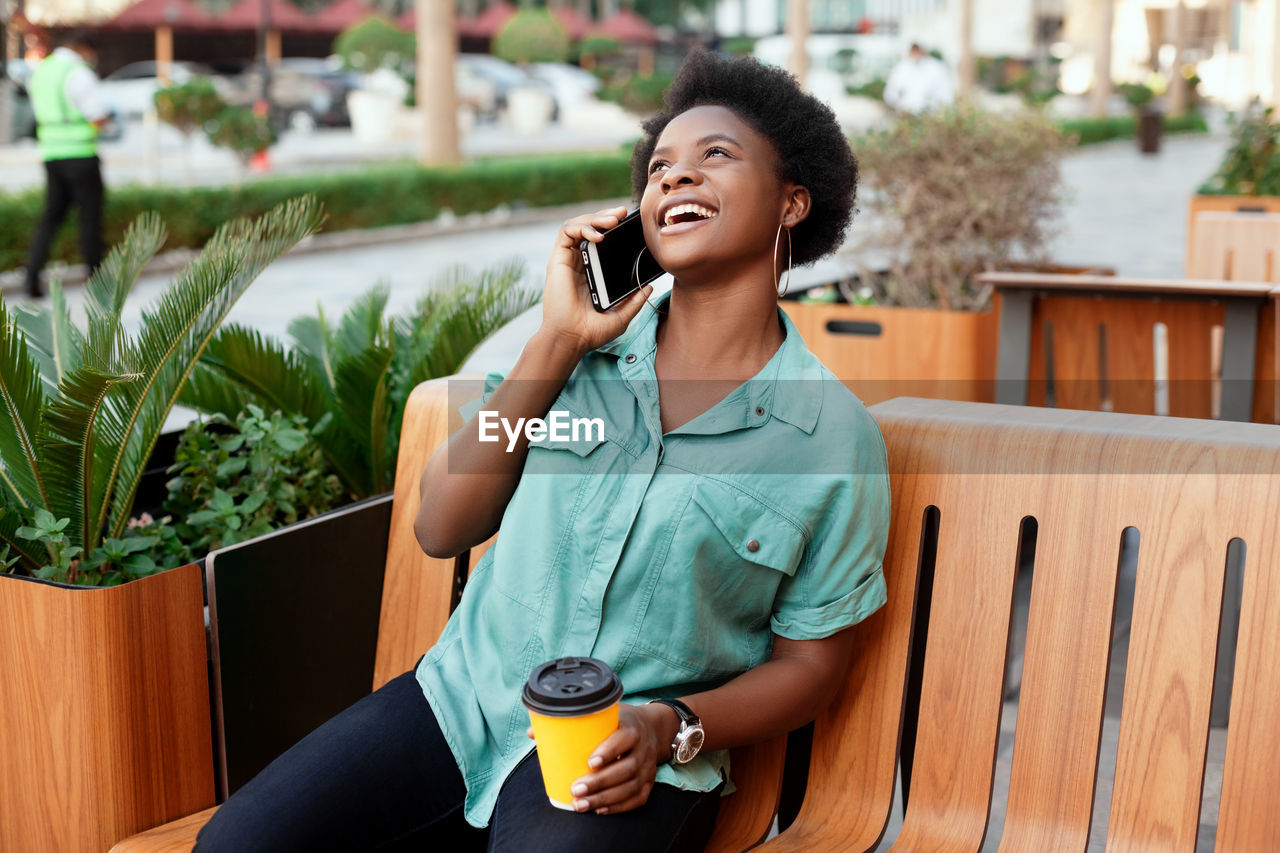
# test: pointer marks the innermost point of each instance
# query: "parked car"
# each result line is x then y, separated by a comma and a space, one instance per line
569, 84
502, 74
130, 91
305, 93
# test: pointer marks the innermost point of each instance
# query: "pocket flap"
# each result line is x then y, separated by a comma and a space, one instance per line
758, 533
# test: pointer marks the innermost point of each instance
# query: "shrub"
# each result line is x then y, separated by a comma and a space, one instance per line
385, 195
190, 106
598, 46
638, 93
532, 35
375, 43
1252, 163
234, 480
1136, 95
1088, 131
956, 192
241, 130
353, 377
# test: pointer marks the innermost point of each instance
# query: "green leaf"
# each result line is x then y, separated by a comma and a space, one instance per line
222, 502
53, 339
230, 467
22, 401
251, 503
363, 390
290, 439
109, 286
77, 455
233, 522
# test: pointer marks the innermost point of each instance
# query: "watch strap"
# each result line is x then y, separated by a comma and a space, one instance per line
683, 711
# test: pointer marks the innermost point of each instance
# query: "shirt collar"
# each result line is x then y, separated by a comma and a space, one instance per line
789, 387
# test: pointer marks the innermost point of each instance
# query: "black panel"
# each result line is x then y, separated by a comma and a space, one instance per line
294, 631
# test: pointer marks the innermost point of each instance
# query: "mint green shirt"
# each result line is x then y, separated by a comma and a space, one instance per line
675, 558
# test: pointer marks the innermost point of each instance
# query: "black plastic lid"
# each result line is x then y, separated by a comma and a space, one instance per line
570, 687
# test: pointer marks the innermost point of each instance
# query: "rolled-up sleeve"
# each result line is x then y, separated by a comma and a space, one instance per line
839, 581
492, 380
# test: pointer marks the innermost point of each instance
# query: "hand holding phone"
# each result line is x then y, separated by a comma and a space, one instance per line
619, 264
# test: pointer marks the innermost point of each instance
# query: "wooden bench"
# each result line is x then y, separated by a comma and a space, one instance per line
418, 595
967, 481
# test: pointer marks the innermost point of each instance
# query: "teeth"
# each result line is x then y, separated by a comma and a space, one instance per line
704, 212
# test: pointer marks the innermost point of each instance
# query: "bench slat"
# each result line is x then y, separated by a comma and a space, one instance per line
1064, 673
1249, 816
1173, 644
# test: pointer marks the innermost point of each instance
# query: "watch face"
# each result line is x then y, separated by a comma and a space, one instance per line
690, 741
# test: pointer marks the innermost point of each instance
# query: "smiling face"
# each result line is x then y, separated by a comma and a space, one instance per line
713, 201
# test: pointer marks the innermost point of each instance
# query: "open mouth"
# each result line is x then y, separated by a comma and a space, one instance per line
682, 213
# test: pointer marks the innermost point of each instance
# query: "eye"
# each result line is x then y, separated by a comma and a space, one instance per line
656, 165
717, 150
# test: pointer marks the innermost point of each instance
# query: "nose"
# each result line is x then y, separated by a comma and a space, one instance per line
679, 174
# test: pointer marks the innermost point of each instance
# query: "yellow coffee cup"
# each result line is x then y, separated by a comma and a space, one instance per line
573, 706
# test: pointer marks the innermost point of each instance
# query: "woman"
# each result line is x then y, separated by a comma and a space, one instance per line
713, 547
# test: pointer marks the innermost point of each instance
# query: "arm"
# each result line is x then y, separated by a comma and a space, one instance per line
790, 689
469, 482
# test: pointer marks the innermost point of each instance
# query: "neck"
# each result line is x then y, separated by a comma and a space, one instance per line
722, 329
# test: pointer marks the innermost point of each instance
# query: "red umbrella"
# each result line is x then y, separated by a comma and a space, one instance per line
336, 17
628, 27
285, 17
153, 14
488, 22
573, 22
409, 21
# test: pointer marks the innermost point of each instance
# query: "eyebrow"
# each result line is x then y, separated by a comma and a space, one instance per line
715, 137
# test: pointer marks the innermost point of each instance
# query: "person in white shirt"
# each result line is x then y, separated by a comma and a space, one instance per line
69, 113
919, 83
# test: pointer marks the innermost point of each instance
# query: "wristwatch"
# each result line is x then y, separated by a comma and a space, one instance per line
689, 738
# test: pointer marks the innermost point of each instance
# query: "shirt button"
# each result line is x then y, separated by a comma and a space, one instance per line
630, 359
759, 410
753, 546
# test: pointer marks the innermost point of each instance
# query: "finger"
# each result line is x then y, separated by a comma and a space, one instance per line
617, 773
622, 741
621, 799
529, 733
631, 306
627, 805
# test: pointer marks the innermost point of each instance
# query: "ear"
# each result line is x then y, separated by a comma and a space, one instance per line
797, 207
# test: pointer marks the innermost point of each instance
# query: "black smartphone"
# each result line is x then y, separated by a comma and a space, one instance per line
620, 264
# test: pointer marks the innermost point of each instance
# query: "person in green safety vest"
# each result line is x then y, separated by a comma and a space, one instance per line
69, 113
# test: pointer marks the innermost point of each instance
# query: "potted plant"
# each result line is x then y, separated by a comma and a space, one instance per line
102, 663
532, 35
1248, 178
949, 194
1140, 97
351, 377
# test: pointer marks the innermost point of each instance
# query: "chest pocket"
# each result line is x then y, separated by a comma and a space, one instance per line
755, 532
709, 614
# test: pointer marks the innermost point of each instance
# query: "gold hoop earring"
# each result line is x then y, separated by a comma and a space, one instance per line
776, 242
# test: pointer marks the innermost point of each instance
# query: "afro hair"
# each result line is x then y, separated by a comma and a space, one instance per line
812, 150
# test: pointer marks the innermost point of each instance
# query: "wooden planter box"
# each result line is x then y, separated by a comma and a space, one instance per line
1224, 204
104, 710
881, 353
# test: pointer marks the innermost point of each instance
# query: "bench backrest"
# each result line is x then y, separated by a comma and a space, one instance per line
419, 592
1190, 488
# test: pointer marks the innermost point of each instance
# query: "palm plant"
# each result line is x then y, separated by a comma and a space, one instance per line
80, 411
351, 379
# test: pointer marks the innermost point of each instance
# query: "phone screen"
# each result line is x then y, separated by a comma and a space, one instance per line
613, 271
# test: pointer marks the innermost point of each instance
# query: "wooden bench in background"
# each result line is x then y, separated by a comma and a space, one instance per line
418, 595
967, 479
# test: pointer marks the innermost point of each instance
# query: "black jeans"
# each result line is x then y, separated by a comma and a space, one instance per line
380, 776
77, 180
